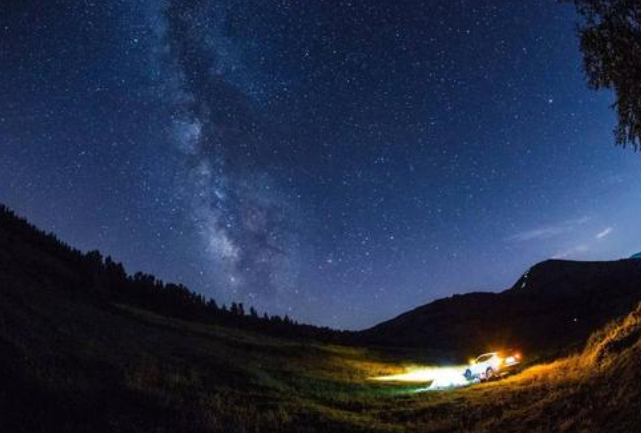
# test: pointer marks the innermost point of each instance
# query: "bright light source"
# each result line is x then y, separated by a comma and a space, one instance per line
440, 377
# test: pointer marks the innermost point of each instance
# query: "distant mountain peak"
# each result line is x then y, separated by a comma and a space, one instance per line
554, 307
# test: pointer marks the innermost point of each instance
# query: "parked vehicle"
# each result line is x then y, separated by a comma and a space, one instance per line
492, 365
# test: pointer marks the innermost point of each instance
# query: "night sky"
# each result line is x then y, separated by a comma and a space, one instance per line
337, 161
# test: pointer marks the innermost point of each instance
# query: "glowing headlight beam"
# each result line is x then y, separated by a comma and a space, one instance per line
438, 377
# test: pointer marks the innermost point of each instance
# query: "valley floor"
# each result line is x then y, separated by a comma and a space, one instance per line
74, 366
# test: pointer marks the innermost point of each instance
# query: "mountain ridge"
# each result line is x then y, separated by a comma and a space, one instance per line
568, 298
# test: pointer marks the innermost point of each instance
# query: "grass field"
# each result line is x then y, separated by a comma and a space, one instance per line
70, 365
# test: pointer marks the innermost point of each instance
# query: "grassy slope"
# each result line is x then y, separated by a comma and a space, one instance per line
69, 364
67, 361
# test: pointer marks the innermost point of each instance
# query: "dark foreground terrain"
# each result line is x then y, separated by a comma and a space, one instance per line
83, 359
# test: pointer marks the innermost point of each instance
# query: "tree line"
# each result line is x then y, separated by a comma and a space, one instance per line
102, 279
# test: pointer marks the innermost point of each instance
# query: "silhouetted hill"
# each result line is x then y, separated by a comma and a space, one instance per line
30, 257
553, 308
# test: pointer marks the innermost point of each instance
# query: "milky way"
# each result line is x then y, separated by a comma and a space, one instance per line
246, 224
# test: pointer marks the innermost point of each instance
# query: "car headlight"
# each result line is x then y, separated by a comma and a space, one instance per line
510, 360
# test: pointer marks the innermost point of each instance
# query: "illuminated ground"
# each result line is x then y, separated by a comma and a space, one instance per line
431, 377
143, 372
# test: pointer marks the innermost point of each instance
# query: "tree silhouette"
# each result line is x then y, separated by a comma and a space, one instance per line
234, 310
103, 280
611, 45
212, 305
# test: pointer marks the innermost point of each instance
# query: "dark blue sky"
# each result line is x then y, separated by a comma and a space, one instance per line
337, 161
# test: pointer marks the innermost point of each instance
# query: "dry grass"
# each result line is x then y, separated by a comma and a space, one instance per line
67, 364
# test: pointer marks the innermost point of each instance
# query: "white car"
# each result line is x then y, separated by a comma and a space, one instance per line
492, 365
